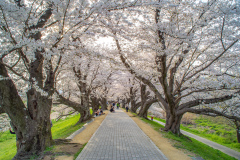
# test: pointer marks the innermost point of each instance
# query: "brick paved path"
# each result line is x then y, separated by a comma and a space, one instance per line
119, 138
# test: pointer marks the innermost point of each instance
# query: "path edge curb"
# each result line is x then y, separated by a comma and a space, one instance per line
79, 130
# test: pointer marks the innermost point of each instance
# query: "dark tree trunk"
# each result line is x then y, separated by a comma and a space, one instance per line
143, 111
237, 130
86, 115
134, 106
76, 106
1, 109
132, 100
143, 94
39, 110
104, 103
123, 103
144, 104
31, 124
173, 122
238, 134
128, 101
95, 104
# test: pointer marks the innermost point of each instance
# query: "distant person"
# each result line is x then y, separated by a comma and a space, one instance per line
112, 109
127, 109
97, 112
113, 104
101, 111
17, 142
118, 105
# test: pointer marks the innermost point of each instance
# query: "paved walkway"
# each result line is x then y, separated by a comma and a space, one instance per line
119, 138
222, 148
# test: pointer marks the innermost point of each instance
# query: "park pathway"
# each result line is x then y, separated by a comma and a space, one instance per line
119, 138
222, 148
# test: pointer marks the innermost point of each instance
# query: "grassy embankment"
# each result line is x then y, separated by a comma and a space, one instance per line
61, 129
216, 129
192, 145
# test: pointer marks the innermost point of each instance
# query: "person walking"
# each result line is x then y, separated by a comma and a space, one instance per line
118, 105
127, 109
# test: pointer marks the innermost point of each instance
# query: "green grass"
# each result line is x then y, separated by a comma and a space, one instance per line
7, 145
215, 129
60, 129
192, 145
64, 128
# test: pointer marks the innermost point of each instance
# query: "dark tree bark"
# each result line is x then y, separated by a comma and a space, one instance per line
32, 123
1, 108
86, 115
173, 122
144, 105
143, 111
135, 107
123, 103
85, 92
95, 104
237, 124
76, 106
133, 99
103, 102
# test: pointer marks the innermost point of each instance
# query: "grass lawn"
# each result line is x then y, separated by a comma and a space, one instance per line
192, 145
215, 129
60, 129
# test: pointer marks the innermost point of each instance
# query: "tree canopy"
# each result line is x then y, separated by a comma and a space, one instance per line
182, 54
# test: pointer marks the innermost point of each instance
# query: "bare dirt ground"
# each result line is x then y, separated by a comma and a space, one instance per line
65, 150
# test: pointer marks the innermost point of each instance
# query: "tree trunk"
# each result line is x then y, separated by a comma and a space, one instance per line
39, 110
104, 103
237, 130
86, 115
134, 106
173, 122
74, 105
31, 124
1, 109
238, 134
143, 111
95, 104
123, 103
132, 100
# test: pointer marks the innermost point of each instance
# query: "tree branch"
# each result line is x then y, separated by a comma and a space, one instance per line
209, 112
206, 101
190, 76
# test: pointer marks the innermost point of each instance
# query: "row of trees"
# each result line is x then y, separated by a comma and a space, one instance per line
184, 55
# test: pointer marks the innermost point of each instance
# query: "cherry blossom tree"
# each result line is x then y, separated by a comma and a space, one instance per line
35, 37
85, 73
194, 50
